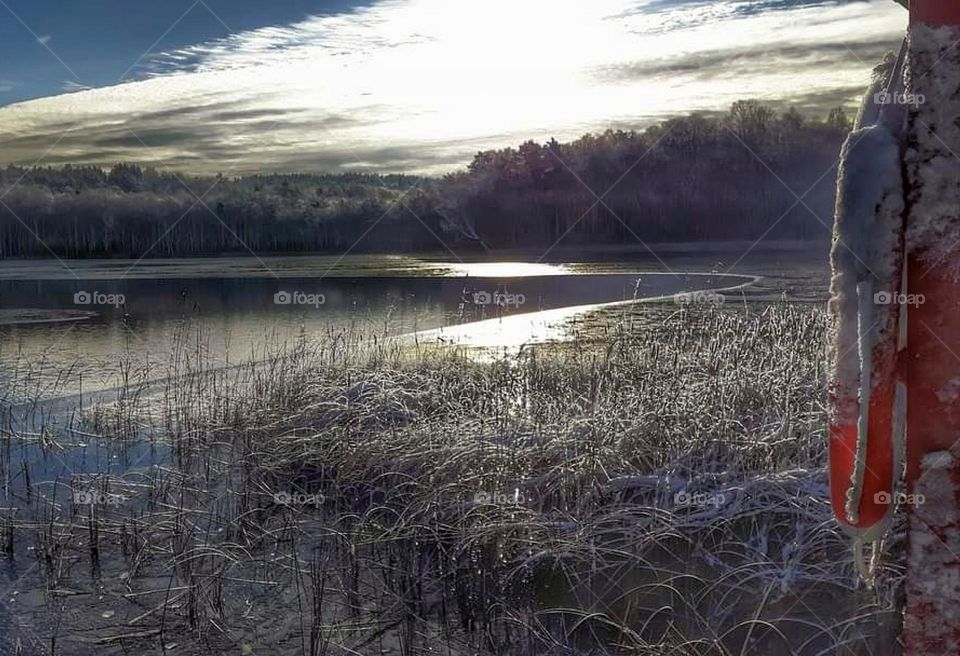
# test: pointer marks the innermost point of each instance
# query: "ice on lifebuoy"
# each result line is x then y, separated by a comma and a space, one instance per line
867, 261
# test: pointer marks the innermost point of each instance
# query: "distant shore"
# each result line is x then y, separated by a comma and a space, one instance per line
564, 253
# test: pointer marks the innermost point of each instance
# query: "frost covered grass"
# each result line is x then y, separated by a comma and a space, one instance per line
655, 486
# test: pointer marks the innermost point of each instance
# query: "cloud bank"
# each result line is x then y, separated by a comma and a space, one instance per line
421, 85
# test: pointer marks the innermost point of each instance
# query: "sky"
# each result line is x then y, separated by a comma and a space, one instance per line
415, 86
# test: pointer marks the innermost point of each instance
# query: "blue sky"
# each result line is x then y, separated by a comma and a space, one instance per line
99, 40
239, 86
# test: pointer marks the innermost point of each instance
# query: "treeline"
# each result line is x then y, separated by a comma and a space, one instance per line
133, 212
726, 177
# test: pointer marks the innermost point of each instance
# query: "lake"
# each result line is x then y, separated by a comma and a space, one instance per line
73, 328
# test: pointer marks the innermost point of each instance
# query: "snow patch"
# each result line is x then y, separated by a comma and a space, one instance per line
867, 243
932, 154
933, 572
950, 393
866, 249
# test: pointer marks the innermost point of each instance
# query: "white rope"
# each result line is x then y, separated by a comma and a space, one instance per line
867, 567
865, 351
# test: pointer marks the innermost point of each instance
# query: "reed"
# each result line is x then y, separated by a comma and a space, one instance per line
654, 486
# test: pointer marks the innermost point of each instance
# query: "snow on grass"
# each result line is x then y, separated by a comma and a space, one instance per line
656, 486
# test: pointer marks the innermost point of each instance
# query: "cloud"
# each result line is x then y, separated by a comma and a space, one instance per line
421, 85
70, 86
742, 63
7, 85
43, 39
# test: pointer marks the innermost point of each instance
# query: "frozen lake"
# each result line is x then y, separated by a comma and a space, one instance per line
82, 326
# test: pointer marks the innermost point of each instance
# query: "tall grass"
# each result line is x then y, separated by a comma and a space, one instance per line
655, 486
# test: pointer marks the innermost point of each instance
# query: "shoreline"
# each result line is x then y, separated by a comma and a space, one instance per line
542, 318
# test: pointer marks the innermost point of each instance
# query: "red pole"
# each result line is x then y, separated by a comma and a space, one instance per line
932, 362
934, 12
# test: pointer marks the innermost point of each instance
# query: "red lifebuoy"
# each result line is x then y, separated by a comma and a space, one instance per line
878, 474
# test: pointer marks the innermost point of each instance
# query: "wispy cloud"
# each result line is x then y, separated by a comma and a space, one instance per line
7, 85
70, 86
43, 39
421, 85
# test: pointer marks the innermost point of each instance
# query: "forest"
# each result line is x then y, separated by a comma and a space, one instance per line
749, 172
